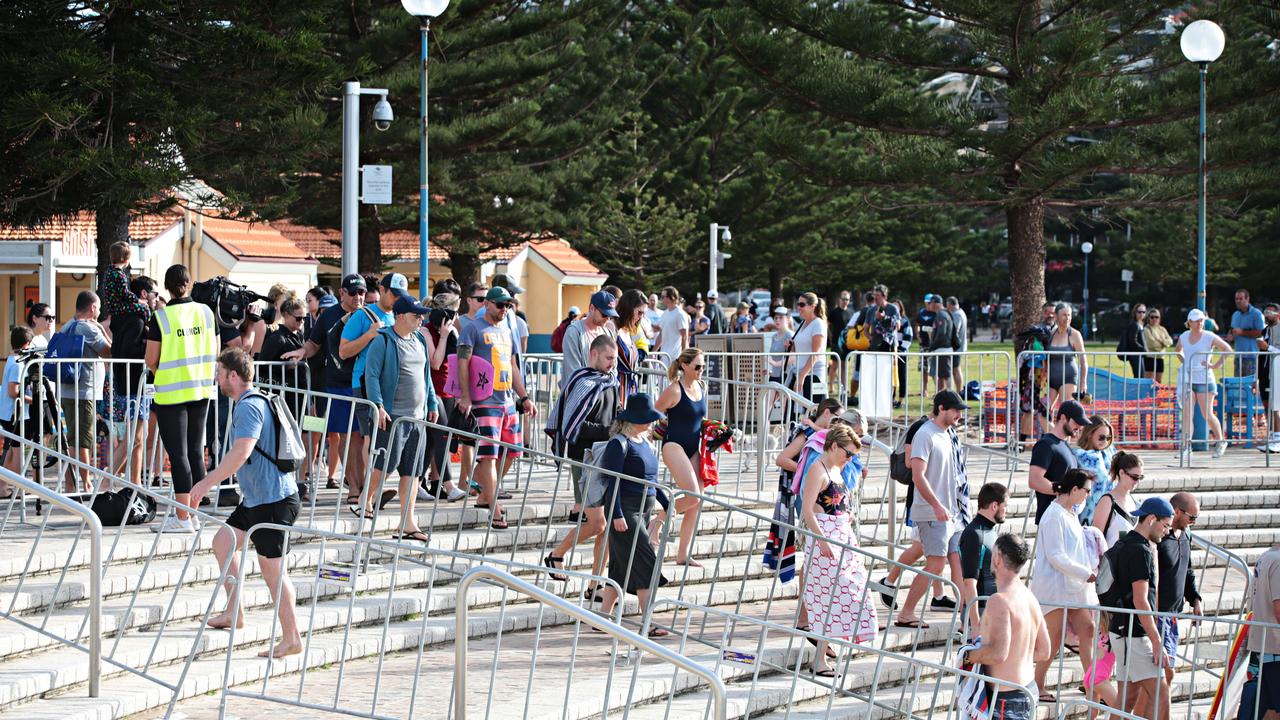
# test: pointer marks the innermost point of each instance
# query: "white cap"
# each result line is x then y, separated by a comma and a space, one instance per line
1195, 314
573, 310
713, 294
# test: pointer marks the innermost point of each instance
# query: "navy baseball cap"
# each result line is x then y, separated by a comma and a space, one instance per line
606, 303
1157, 506
406, 304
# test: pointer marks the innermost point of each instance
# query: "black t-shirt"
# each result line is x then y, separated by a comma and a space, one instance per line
1054, 455
335, 377
281, 340
1134, 563
1177, 577
128, 342
977, 542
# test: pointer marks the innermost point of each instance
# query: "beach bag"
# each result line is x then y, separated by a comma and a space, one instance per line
64, 345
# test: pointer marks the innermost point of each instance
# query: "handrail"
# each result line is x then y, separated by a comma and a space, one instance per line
1232, 559
618, 632
95, 566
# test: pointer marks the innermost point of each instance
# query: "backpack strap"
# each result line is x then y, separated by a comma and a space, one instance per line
1110, 514
272, 413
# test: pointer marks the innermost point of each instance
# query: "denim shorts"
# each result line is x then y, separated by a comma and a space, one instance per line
1211, 388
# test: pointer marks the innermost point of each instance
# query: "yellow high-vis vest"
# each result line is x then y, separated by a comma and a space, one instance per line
188, 354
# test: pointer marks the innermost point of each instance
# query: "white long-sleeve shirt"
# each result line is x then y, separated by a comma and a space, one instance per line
1063, 565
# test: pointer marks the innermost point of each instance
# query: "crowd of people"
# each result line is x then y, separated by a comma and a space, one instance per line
369, 347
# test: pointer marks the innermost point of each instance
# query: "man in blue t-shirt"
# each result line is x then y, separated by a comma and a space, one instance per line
1247, 325
268, 495
361, 328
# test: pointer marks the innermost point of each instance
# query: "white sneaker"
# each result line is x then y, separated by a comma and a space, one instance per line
456, 494
1220, 449
424, 496
173, 524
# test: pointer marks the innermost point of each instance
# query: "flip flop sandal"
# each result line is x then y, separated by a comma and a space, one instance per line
360, 512
828, 673
416, 535
911, 624
387, 496
657, 632
499, 524
831, 652
550, 561
504, 495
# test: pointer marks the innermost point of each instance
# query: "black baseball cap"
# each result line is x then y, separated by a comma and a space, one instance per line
353, 282
1074, 411
406, 304
949, 400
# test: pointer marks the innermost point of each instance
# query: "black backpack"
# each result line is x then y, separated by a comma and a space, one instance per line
899, 467
124, 507
333, 340
1112, 591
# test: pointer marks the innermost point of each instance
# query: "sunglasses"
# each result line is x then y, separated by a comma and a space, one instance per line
478, 298
848, 453
502, 305
299, 318
699, 367
802, 304
1190, 517
45, 317
357, 291
1154, 317
1103, 438
1141, 312
1136, 478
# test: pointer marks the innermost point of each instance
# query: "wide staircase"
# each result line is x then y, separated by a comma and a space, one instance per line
378, 616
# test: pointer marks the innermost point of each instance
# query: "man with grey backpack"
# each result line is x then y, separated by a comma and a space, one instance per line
266, 451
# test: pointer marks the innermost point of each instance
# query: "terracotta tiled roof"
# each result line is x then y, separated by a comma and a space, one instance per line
560, 253
141, 228
253, 240
398, 244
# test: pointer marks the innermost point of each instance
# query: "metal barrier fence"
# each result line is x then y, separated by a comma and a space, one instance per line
1233, 391
901, 385
150, 634
1120, 387
88, 521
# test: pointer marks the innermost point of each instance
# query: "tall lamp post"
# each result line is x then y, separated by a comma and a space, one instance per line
382, 117
424, 10
1086, 247
718, 233
1202, 42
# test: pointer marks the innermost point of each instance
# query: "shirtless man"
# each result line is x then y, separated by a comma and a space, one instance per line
1014, 635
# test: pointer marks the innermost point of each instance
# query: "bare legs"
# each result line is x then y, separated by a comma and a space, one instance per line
1081, 622
686, 478
226, 549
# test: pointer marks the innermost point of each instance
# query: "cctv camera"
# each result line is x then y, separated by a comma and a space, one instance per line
382, 114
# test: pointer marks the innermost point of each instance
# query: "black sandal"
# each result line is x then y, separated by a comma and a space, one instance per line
387, 496
550, 561
831, 653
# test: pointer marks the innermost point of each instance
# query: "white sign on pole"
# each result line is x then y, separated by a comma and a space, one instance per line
375, 184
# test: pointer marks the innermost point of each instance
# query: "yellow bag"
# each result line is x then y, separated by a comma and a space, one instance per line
858, 338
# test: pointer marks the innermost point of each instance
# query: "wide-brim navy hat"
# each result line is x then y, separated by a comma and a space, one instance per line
640, 410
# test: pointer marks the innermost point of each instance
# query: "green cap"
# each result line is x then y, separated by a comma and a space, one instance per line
497, 295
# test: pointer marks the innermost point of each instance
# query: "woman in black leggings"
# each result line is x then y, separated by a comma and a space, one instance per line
182, 422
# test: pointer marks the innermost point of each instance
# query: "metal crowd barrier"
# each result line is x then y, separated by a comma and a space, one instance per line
1242, 401
1120, 387
892, 388
150, 635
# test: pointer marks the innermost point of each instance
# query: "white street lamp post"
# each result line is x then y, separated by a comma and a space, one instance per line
1202, 42
1087, 248
424, 10
718, 233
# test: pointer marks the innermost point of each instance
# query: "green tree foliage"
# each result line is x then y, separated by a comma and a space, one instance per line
1076, 92
109, 106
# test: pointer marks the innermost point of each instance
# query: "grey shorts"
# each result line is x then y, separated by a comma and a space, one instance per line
1135, 659
575, 473
404, 451
937, 539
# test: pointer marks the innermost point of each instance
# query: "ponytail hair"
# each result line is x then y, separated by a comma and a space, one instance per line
1072, 479
684, 358
1122, 462
829, 404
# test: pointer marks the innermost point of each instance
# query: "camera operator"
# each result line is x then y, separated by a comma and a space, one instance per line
182, 349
